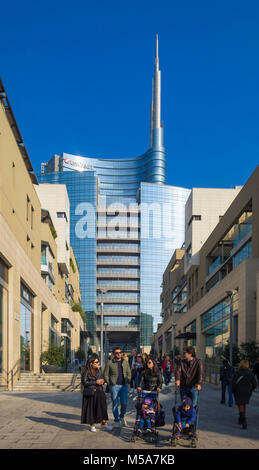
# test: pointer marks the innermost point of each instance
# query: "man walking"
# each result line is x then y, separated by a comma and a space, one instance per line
117, 375
226, 375
189, 375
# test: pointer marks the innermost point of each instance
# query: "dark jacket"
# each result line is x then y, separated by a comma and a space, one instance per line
131, 359
183, 415
136, 370
226, 373
88, 380
111, 372
190, 373
150, 381
256, 369
243, 384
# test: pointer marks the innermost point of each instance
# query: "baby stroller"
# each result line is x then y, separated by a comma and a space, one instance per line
190, 432
159, 419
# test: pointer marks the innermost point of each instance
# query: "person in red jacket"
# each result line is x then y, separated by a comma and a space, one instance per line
167, 368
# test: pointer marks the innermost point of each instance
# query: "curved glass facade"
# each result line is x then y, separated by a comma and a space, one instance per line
121, 177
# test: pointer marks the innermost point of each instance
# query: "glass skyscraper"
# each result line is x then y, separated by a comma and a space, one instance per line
125, 225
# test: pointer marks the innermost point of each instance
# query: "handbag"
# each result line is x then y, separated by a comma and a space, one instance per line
88, 392
160, 418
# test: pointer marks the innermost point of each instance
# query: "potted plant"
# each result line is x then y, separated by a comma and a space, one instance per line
53, 360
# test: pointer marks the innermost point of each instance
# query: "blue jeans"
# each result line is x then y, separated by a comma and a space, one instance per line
119, 392
142, 422
224, 385
167, 378
191, 393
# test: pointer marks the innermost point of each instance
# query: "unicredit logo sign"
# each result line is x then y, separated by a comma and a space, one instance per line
79, 165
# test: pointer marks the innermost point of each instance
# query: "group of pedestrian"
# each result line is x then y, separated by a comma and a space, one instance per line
144, 372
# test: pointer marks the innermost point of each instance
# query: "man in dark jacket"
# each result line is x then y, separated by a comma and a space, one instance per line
189, 375
226, 375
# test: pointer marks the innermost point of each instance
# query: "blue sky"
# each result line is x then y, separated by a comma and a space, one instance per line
79, 79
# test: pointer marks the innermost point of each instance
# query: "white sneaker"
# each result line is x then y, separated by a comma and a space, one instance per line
93, 429
123, 422
107, 427
117, 424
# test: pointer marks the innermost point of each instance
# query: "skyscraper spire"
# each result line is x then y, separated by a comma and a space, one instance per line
155, 115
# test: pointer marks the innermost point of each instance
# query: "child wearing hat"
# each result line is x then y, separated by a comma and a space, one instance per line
146, 415
185, 416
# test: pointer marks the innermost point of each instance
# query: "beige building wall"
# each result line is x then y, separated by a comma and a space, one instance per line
210, 204
21, 236
244, 277
54, 198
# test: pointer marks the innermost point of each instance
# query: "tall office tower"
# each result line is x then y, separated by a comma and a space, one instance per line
125, 224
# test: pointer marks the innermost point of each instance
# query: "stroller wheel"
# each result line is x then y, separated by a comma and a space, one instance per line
173, 442
194, 442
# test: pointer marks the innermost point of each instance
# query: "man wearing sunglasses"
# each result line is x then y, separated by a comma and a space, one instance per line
117, 374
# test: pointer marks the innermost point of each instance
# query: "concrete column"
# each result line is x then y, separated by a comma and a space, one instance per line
200, 340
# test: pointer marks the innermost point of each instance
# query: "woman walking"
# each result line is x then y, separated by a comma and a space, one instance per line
243, 384
151, 378
94, 406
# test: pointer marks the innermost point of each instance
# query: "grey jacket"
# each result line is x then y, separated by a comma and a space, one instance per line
111, 372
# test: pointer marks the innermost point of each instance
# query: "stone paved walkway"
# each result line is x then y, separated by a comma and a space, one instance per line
52, 421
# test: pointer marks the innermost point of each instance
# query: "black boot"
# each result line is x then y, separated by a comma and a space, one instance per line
244, 424
239, 419
243, 420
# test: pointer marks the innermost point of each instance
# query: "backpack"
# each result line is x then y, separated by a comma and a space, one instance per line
160, 418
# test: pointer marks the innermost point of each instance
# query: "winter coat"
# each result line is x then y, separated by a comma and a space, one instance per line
243, 384
226, 373
165, 368
188, 416
88, 380
256, 370
149, 381
111, 372
136, 370
190, 373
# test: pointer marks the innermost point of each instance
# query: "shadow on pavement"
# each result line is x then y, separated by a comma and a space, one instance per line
59, 424
63, 415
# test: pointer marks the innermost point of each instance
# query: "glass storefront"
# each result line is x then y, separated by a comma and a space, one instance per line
26, 328
216, 326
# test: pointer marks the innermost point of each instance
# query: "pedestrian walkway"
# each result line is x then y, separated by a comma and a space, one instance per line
52, 421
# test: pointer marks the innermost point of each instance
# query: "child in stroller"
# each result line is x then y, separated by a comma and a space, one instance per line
185, 422
146, 415
148, 409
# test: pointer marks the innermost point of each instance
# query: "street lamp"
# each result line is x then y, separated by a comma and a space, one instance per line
106, 343
102, 291
231, 294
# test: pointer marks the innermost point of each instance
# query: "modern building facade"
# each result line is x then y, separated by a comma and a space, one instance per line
114, 206
224, 277
33, 300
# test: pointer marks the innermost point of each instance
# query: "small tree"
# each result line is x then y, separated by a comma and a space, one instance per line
80, 354
53, 356
249, 351
77, 307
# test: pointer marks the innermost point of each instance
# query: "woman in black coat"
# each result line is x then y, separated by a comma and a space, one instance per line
151, 378
94, 406
243, 384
